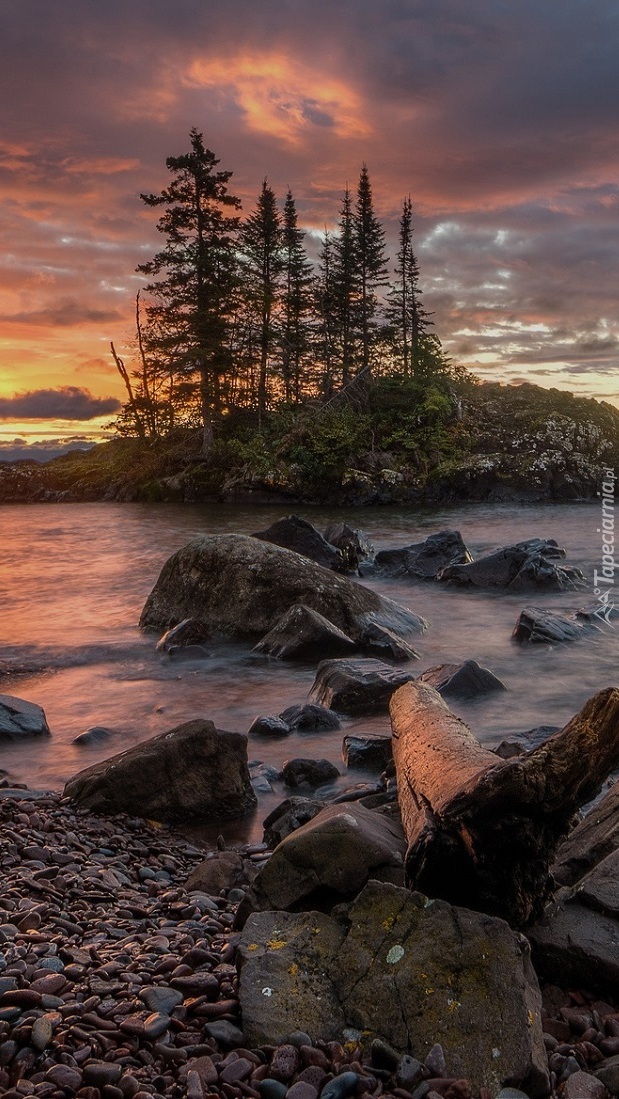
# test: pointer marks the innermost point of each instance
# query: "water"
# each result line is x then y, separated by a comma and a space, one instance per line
74, 578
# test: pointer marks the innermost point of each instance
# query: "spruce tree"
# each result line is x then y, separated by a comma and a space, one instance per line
371, 264
408, 319
196, 273
296, 333
346, 289
262, 244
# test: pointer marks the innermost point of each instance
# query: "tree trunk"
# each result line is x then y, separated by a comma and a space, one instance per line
482, 831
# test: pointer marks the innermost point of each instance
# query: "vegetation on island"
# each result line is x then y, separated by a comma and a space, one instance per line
258, 375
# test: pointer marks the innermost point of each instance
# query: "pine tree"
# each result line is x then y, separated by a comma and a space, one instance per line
196, 272
346, 289
326, 310
296, 335
408, 319
372, 264
262, 244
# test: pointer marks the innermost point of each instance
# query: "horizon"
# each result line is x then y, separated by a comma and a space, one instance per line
500, 123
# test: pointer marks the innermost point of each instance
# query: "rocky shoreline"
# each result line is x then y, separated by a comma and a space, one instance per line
118, 981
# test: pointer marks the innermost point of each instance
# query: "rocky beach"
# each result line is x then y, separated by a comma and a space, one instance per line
361, 948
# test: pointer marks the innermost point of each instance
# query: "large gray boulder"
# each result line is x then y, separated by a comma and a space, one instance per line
525, 566
357, 686
424, 560
403, 969
20, 719
193, 772
240, 587
330, 859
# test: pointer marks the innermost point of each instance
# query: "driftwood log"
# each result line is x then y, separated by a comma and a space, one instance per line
482, 831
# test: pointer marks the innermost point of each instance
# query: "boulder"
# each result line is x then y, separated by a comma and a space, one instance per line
330, 859
541, 627
310, 718
288, 816
424, 560
353, 545
240, 587
309, 772
268, 725
367, 751
193, 772
302, 633
297, 534
97, 734
467, 680
223, 870
525, 566
361, 686
407, 972
385, 642
20, 719
186, 639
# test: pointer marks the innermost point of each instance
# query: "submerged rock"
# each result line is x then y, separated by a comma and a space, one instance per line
310, 718
384, 642
97, 734
297, 534
302, 633
268, 725
187, 638
20, 719
353, 545
362, 686
367, 751
466, 680
525, 566
192, 772
540, 627
309, 772
240, 587
424, 560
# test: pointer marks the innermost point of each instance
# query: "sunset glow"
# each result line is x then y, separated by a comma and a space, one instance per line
502, 127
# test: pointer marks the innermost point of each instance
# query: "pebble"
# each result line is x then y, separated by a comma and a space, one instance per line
344, 1084
272, 1089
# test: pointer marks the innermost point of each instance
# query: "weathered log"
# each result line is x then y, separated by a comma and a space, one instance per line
482, 831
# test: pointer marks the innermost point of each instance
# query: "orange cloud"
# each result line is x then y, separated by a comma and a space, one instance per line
282, 96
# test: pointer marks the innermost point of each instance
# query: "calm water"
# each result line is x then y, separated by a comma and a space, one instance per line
74, 578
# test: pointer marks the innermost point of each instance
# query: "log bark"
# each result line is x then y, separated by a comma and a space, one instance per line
482, 831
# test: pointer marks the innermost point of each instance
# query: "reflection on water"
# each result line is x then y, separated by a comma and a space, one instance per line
74, 578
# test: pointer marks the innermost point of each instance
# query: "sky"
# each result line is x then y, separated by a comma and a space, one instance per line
500, 118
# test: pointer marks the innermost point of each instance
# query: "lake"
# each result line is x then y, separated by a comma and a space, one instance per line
74, 578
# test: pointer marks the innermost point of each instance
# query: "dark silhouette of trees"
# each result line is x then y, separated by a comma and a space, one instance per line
371, 264
297, 326
263, 253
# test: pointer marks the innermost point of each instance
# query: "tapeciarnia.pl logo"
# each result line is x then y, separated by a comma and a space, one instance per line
604, 581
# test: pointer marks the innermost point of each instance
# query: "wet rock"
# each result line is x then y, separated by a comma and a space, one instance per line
192, 772
345, 1083
97, 734
226, 1034
541, 627
100, 1074
297, 534
285, 976
301, 634
187, 638
160, 998
424, 560
386, 643
288, 816
20, 719
309, 772
357, 686
367, 751
524, 566
330, 859
241, 587
310, 718
582, 1085
269, 726
353, 545
466, 680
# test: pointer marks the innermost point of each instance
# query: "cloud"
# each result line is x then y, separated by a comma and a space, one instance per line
65, 403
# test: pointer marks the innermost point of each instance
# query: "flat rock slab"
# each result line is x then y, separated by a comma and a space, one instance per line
590, 841
404, 969
302, 633
466, 680
330, 858
575, 944
195, 771
20, 719
358, 686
